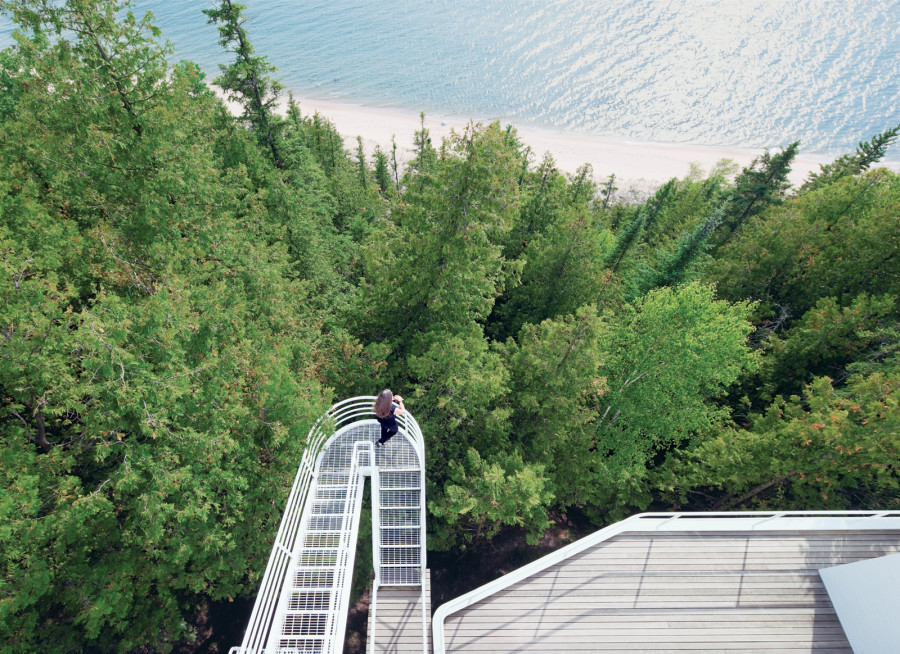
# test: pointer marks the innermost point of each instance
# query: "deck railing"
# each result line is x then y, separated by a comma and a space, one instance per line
754, 521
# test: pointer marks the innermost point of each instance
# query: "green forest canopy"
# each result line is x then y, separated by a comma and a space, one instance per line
184, 291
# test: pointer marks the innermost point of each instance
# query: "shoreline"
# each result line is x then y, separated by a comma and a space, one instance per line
639, 166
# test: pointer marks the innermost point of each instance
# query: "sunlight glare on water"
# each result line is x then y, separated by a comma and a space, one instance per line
749, 73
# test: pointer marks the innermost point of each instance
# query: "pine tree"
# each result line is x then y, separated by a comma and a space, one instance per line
395, 168
247, 80
382, 174
608, 189
867, 154
362, 170
627, 238
675, 267
582, 185
760, 185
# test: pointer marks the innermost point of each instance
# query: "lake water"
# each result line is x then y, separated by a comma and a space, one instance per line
745, 74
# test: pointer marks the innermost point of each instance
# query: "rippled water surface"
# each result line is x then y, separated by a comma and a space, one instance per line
716, 72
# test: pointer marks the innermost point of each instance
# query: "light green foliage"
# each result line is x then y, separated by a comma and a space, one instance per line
481, 495
833, 449
667, 356
599, 399
665, 362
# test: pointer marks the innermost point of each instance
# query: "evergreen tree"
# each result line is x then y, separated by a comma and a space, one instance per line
395, 168
678, 266
159, 357
582, 186
867, 154
362, 170
382, 174
831, 449
609, 187
247, 80
759, 186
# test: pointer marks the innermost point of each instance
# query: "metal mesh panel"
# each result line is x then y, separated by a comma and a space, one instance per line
331, 479
304, 624
311, 558
309, 601
397, 454
331, 493
398, 536
401, 576
400, 517
326, 523
400, 498
400, 555
299, 646
322, 539
328, 508
399, 480
313, 578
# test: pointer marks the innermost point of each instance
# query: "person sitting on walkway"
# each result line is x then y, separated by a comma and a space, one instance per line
387, 407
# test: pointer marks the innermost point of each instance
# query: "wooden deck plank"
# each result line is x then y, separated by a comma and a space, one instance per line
676, 592
398, 620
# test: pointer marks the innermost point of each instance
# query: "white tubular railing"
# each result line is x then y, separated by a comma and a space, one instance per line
755, 521
280, 559
412, 428
287, 540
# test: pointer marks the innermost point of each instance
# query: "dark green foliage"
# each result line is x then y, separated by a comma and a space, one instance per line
182, 294
867, 154
684, 261
382, 173
839, 241
247, 80
759, 186
830, 449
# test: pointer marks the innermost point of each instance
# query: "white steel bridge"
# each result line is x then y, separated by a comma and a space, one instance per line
304, 597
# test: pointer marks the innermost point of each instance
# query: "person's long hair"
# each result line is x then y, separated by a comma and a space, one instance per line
383, 403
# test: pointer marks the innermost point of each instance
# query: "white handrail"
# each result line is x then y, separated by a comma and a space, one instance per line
659, 522
351, 410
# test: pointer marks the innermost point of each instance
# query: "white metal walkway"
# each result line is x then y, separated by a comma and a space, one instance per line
304, 597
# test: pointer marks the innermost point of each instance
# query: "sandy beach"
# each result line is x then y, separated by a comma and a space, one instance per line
639, 167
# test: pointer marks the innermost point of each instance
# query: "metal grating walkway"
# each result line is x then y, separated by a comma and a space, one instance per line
303, 602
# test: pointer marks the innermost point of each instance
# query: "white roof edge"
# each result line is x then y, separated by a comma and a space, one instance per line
674, 522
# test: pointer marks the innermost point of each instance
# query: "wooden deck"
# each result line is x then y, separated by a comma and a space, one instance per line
398, 617
674, 592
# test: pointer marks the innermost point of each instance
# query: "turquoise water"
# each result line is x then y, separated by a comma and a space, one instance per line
746, 74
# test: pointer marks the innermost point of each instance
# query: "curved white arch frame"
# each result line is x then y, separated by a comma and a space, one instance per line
344, 435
